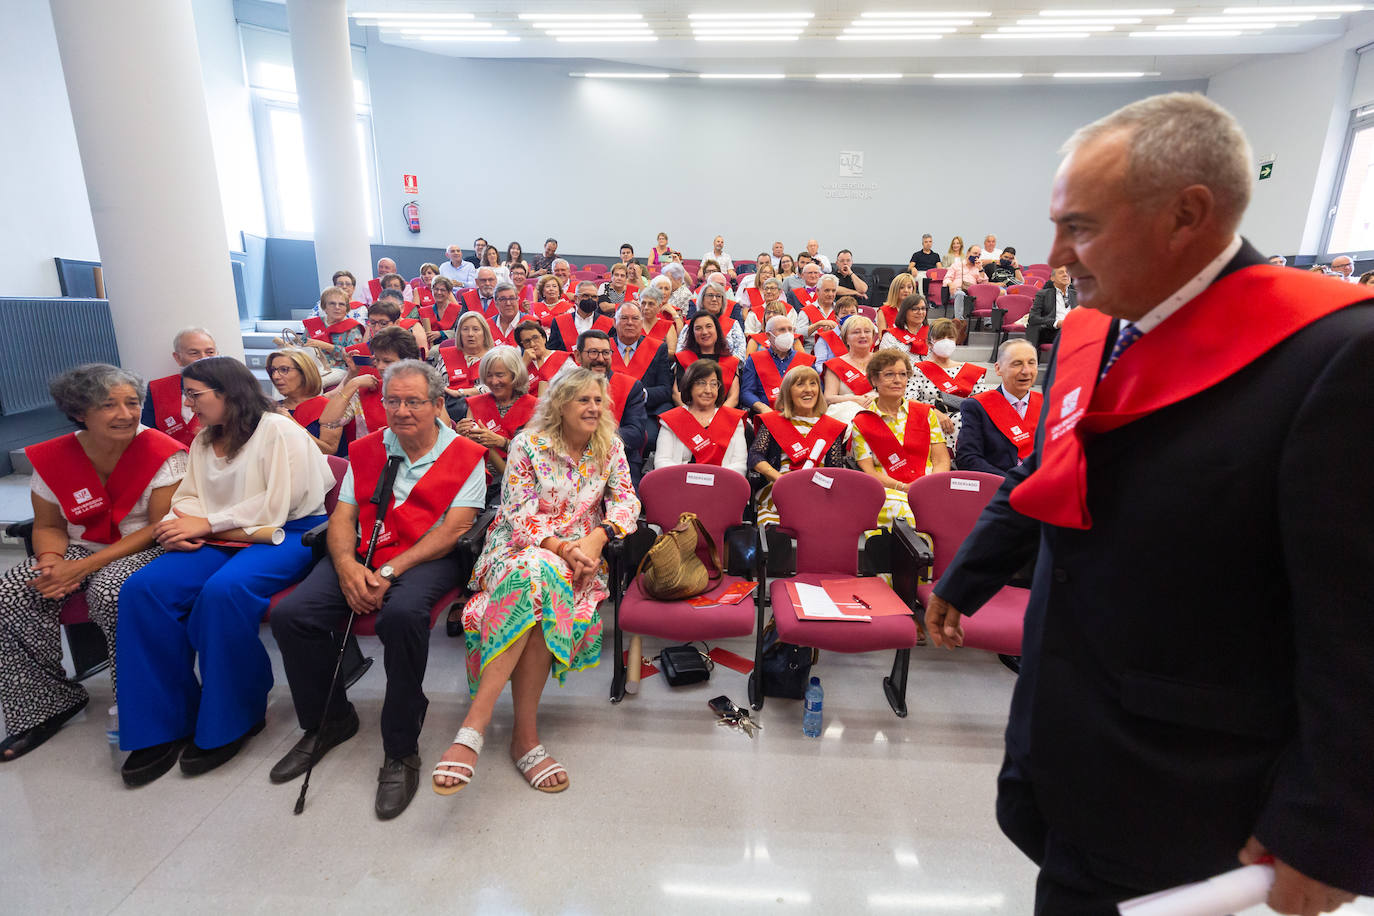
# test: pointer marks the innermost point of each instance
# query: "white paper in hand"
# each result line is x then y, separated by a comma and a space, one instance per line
1228, 892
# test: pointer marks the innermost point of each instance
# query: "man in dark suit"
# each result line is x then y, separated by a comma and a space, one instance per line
1052, 304
652, 367
997, 428
1196, 660
628, 399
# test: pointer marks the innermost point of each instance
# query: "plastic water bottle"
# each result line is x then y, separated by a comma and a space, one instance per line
811, 718
112, 736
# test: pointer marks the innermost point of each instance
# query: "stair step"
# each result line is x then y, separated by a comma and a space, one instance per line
256, 359
272, 326
20, 461
259, 340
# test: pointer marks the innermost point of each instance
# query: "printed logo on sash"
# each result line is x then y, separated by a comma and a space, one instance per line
895, 460
386, 536
1070, 402
83, 495
171, 422
699, 440
1016, 431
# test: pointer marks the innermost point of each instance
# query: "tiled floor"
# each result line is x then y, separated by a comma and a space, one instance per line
667, 813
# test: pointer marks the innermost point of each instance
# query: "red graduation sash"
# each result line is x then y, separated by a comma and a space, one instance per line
726, 323
961, 384
472, 302
905, 460
552, 363
424, 295
568, 329
807, 299
167, 397
460, 371
1019, 431
371, 400
769, 375
706, 443
889, 316
659, 330
755, 300
374, 286
832, 340
761, 338
449, 317
848, 373
308, 412
429, 498
639, 363
916, 343
407, 323
803, 452
84, 500
507, 339
483, 411
814, 314
361, 348
729, 365
1202, 336
318, 330
545, 313
619, 386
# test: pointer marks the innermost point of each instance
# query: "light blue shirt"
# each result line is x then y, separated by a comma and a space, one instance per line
473, 493
1019, 406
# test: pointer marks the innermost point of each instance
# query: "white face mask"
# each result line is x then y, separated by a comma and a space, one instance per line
784, 341
943, 348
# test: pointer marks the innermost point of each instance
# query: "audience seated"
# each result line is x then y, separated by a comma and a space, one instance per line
926, 259
803, 289
642, 358
1052, 304
724, 263
1004, 271
635, 275
962, 274
385, 313
199, 606
902, 285
459, 363
830, 343
438, 492
759, 341
787, 269
459, 271
617, 289
704, 341
345, 281
358, 401
485, 301
998, 426
549, 301
516, 255
850, 280
1367, 278
955, 252
491, 259
97, 495
661, 255
164, 408
819, 315
1344, 267
373, 288
990, 250
585, 316
543, 263
768, 290
846, 372
628, 399
502, 410
508, 316
910, 333
296, 376
713, 301
765, 368
540, 573
541, 362
703, 430
798, 435
420, 292
940, 378
813, 250
331, 335
661, 321
680, 293
750, 280
479, 252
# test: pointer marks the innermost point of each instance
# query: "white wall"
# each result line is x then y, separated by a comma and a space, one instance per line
44, 211
597, 162
1295, 108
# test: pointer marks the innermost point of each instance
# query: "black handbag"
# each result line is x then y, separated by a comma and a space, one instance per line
784, 669
684, 664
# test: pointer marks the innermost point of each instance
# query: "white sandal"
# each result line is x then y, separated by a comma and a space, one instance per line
469, 738
533, 758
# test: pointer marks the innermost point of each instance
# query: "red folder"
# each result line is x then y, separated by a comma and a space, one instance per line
882, 601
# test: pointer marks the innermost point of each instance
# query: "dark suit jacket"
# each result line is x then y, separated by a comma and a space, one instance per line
1044, 309
1197, 665
657, 380
982, 446
634, 429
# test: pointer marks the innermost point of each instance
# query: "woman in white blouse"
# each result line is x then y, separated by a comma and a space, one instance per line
256, 480
702, 430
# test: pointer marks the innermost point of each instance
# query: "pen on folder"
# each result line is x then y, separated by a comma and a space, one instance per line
862, 602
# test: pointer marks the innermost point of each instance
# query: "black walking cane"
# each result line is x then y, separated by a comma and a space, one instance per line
381, 498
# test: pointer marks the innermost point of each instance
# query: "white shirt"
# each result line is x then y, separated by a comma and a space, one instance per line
1186, 293
462, 275
1061, 304
670, 450
726, 263
1020, 406
823, 261
989, 256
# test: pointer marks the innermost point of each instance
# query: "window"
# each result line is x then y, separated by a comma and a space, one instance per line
1351, 224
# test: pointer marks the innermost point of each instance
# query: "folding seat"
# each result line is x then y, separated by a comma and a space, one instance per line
984, 296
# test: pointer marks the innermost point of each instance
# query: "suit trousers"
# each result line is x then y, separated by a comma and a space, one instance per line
307, 625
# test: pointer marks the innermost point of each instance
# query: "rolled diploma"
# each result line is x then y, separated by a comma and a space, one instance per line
1228, 892
636, 657
264, 535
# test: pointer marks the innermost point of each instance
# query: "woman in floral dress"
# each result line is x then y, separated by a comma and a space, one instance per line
567, 492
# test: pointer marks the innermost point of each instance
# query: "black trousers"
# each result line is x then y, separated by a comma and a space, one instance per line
306, 625
1070, 884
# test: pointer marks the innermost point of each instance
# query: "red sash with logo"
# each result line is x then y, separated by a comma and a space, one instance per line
659, 330
472, 302
706, 443
423, 295
360, 348
1200, 336
768, 372
889, 315
729, 365
565, 326
316, 329
507, 339
917, 343
761, 339
167, 397
619, 387
444, 321
832, 340
803, 452
552, 363
429, 499
961, 384
639, 363
814, 314
807, 299
848, 373
545, 313
374, 286
371, 400
905, 460
1019, 431
84, 500
308, 412
461, 373
483, 411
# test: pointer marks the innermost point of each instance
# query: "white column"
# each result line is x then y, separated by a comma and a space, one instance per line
134, 81
324, 87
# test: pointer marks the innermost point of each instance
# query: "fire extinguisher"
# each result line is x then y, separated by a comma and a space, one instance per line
411, 211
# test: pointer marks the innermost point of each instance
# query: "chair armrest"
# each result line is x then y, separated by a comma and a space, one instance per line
742, 550
317, 540
998, 314
473, 539
782, 551
24, 531
911, 562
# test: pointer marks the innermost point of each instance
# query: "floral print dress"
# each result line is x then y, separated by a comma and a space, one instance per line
545, 494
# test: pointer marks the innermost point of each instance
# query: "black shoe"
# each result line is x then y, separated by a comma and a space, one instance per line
146, 764
197, 760
453, 626
298, 759
20, 743
397, 781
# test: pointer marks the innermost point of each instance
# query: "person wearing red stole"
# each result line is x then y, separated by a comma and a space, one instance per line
896, 440
704, 341
661, 321
330, 335
459, 363
345, 281
714, 302
541, 363
164, 409
830, 344
798, 435
585, 316
385, 313
549, 301
355, 407
494, 417
95, 494
703, 430
296, 376
762, 377
910, 333
846, 375
1170, 720
759, 341
820, 315
902, 285
507, 315
941, 379
439, 490
618, 289
803, 289
997, 430
196, 610
641, 357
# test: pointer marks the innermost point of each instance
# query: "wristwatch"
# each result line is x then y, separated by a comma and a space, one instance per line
610, 531
388, 573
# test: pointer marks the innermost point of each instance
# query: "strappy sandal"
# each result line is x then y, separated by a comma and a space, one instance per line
469, 738
532, 759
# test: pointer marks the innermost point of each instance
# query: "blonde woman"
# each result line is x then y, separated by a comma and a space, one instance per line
296, 376
956, 251
567, 491
846, 375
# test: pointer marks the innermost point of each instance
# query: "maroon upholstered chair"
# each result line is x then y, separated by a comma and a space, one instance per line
598, 269
1010, 308
827, 522
1037, 269
719, 498
936, 298
984, 296
946, 507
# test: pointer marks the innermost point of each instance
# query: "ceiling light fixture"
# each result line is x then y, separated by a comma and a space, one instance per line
1240, 20
858, 76
957, 14
1034, 29
432, 37
1262, 10
901, 36
627, 76
1219, 33
977, 76
1084, 13
766, 16
585, 39
570, 17
1032, 35
742, 76
747, 38
1101, 74
422, 16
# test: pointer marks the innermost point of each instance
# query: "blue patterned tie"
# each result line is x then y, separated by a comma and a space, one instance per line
1127, 336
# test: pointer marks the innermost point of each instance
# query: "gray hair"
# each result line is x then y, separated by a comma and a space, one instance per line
504, 285
434, 379
674, 269
653, 284
87, 386
1006, 346
927, 236
653, 294
629, 303
582, 283
187, 332
556, 261
770, 281
719, 291
808, 265
832, 278
488, 270
507, 358
1176, 140
711, 278
773, 322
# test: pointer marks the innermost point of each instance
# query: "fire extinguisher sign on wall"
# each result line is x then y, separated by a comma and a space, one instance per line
412, 184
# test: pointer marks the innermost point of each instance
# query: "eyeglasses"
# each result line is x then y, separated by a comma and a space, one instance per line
894, 376
507, 299
275, 370
379, 322
194, 396
410, 403
601, 354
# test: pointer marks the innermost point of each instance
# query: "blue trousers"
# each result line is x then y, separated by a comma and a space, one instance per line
204, 606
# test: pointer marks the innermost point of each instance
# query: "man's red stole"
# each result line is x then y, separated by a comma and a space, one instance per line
706, 443
569, 331
848, 373
618, 387
803, 451
832, 340
768, 372
961, 384
905, 460
1020, 431
167, 398
729, 365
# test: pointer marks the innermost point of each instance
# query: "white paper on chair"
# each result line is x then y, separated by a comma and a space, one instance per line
1228, 892
816, 604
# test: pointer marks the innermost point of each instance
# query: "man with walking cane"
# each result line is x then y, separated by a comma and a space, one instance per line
440, 487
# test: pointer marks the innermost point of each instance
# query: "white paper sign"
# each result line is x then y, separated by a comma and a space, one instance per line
960, 483
701, 480
821, 480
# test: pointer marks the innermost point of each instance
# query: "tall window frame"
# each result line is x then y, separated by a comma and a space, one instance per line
1349, 225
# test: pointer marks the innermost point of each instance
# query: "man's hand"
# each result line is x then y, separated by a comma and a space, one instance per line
362, 588
1293, 892
943, 623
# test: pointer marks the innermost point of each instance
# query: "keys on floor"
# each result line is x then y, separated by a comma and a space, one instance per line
731, 716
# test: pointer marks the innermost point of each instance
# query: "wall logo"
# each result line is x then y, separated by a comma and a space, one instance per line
851, 163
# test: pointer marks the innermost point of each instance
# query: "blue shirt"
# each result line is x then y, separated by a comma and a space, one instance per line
750, 387
473, 493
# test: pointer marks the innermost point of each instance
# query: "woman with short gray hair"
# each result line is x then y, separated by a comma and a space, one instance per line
96, 494
494, 417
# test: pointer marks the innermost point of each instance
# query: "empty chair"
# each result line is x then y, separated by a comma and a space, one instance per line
599, 269
586, 275
935, 293
1021, 289
1010, 308
984, 296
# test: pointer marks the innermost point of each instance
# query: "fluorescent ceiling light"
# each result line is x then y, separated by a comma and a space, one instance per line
627, 76
897, 30
608, 26
439, 24
559, 33
1102, 74
1241, 20
1082, 13
1074, 23
1259, 10
591, 17
858, 76
728, 16
432, 37
741, 76
1033, 35
902, 36
955, 14
1219, 33
451, 30
910, 24
726, 33
977, 76
412, 15
1036, 29
747, 38
606, 38
1185, 27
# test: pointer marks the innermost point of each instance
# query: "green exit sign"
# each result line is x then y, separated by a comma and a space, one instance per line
1266, 169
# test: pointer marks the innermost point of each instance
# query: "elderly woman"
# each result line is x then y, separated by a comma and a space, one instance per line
95, 495
567, 492
332, 334
495, 417
680, 291
713, 302
750, 292
910, 334
420, 293
941, 374
661, 321
702, 430
549, 301
704, 341
296, 377
507, 316
259, 479
902, 285
846, 375
345, 281
797, 435
541, 363
460, 362
896, 440
617, 289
